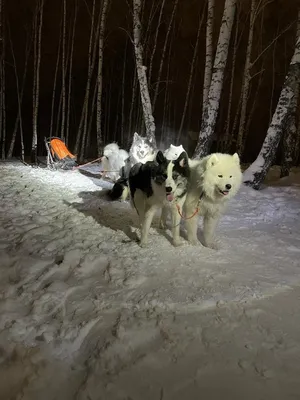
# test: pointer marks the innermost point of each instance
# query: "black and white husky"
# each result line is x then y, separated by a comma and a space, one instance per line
158, 184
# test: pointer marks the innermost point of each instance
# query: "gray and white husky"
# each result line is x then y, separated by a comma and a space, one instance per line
156, 185
141, 151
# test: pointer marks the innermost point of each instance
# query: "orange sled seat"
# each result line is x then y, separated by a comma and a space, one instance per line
58, 155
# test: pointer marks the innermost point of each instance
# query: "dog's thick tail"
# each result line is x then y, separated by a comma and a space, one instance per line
119, 190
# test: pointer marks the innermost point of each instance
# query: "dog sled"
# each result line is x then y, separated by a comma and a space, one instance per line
58, 155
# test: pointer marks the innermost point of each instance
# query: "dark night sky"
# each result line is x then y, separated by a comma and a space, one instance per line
277, 15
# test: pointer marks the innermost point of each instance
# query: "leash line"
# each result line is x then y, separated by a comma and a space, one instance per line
186, 218
88, 163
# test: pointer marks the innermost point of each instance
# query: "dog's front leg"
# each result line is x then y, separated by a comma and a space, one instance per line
209, 228
146, 224
176, 218
163, 218
191, 223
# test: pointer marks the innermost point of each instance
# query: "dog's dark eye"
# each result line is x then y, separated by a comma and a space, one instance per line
220, 176
230, 176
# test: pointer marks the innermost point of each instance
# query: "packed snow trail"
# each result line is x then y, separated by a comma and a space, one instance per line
86, 313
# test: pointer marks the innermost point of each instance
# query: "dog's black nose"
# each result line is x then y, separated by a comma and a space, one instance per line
228, 186
168, 189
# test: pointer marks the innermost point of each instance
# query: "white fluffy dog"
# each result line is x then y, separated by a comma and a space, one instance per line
213, 181
173, 152
113, 160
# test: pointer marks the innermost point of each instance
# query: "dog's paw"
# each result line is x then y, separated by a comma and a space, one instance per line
212, 245
162, 225
194, 241
178, 242
143, 243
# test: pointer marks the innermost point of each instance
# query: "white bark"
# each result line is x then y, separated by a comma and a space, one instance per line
211, 110
209, 53
257, 171
246, 81
99, 78
141, 72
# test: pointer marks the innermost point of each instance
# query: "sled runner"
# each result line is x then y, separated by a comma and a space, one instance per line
58, 155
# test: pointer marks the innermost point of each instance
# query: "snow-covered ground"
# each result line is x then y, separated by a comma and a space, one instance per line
85, 313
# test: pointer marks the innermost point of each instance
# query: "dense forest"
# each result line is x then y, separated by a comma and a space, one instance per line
211, 75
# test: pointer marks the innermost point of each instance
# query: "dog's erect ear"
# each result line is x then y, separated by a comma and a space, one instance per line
160, 158
236, 158
213, 160
135, 136
171, 146
183, 160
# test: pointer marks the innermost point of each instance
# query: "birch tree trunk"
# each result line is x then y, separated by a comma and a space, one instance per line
3, 102
20, 93
54, 83
133, 97
141, 73
99, 78
89, 131
163, 54
155, 41
2, 84
257, 171
123, 95
209, 53
246, 82
228, 119
1, 69
187, 96
37, 80
63, 84
88, 83
92, 60
290, 132
211, 110
70, 73
297, 144
164, 140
